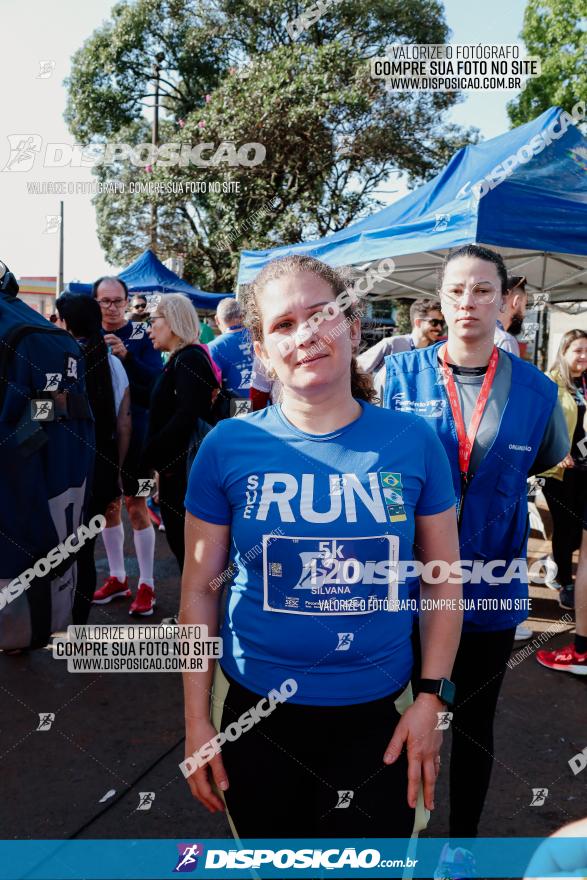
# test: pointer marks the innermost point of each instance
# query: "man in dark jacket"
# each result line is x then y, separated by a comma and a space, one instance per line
130, 342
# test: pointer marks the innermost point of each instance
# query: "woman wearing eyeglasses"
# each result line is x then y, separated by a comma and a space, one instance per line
498, 419
184, 392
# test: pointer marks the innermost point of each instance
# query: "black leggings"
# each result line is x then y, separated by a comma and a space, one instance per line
566, 499
478, 675
86, 567
288, 773
172, 488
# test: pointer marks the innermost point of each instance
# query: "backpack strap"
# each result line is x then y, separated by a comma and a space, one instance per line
214, 366
204, 349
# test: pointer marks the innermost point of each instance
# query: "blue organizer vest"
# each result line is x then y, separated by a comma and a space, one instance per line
495, 513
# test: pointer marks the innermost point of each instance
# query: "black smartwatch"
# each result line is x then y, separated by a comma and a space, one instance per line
441, 687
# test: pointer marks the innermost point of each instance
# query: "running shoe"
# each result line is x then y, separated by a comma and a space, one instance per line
111, 589
566, 597
144, 601
455, 864
523, 633
564, 660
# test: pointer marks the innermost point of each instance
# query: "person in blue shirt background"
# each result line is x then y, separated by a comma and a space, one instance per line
498, 420
129, 341
315, 501
232, 350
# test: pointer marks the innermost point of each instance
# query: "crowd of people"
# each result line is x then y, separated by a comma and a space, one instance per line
416, 450
150, 378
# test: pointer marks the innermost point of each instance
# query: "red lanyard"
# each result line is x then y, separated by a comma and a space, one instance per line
467, 438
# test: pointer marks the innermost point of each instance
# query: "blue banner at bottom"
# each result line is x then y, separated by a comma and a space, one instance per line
531, 857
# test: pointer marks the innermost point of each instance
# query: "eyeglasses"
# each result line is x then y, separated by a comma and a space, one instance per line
140, 306
435, 322
482, 293
108, 303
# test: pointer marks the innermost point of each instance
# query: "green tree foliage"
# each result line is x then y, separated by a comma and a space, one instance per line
402, 317
555, 31
233, 73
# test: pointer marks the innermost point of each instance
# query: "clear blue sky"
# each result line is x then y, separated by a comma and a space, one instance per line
36, 31
473, 21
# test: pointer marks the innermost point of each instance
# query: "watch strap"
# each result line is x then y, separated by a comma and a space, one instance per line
440, 687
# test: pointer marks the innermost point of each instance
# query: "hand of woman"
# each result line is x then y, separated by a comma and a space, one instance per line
417, 729
198, 734
567, 462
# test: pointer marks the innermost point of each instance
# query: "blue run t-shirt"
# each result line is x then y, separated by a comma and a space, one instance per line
233, 353
316, 526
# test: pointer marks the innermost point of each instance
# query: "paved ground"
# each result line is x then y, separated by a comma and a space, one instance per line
124, 732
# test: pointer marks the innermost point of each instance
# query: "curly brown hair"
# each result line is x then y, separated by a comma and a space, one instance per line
361, 383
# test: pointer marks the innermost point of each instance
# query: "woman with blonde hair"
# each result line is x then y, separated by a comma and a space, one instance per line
565, 488
183, 393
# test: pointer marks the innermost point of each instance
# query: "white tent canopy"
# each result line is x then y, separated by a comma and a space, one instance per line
562, 276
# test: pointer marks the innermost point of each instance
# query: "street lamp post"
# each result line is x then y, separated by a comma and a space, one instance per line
155, 141
59, 281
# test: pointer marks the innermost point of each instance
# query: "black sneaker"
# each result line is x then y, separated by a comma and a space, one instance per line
566, 597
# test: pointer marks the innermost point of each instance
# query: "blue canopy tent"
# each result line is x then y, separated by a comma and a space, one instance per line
149, 275
536, 215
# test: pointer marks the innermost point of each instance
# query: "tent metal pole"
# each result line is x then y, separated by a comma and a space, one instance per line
544, 322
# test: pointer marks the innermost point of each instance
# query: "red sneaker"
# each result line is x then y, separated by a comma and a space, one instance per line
144, 601
111, 589
564, 660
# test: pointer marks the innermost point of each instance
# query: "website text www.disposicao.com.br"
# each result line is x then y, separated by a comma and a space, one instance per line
334, 858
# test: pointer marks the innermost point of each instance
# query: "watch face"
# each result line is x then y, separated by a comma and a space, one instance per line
447, 691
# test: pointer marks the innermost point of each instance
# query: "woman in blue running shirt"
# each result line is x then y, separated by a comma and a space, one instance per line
311, 513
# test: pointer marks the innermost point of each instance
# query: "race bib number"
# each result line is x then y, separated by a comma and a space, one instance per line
329, 575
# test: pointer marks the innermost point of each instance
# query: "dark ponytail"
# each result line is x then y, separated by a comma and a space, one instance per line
83, 319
